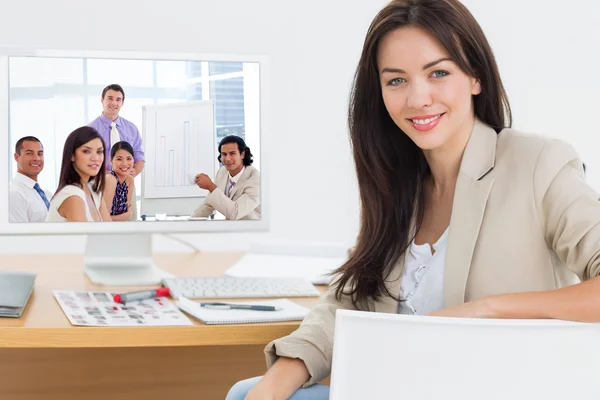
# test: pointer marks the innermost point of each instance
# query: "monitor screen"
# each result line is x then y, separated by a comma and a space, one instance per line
133, 139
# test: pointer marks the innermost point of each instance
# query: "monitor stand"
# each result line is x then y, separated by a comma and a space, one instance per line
121, 260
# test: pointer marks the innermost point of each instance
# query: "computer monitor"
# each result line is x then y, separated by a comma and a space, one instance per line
182, 105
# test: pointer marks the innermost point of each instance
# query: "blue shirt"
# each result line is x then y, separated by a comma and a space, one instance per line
127, 131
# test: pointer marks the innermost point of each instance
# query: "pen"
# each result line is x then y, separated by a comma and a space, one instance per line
227, 306
141, 295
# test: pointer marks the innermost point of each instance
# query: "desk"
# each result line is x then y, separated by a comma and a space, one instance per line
43, 356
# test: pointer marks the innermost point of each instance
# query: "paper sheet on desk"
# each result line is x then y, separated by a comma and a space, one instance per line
98, 309
290, 311
287, 266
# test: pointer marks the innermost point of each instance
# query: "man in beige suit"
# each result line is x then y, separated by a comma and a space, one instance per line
236, 190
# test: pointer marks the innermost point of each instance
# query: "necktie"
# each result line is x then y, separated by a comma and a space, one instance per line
114, 135
42, 194
231, 185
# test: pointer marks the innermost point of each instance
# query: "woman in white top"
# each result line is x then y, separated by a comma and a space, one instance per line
79, 194
435, 156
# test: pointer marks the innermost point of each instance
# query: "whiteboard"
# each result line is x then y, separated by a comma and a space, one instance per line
179, 142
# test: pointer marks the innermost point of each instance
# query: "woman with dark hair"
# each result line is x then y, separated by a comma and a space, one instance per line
79, 194
119, 183
461, 215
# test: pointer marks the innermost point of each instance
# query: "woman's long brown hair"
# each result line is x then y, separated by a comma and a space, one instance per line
68, 174
391, 169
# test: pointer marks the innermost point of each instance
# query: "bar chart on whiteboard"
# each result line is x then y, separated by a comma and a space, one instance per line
179, 141
175, 161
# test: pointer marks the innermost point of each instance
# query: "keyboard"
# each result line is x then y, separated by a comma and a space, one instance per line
228, 287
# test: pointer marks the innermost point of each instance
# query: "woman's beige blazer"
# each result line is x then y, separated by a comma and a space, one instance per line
523, 219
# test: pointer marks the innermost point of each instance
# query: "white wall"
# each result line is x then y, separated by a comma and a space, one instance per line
547, 51
549, 54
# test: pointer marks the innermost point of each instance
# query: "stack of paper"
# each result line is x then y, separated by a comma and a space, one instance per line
313, 262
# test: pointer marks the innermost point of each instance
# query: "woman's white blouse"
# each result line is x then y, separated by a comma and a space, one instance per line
422, 284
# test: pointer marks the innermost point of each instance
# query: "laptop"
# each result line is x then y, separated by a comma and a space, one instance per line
15, 291
389, 356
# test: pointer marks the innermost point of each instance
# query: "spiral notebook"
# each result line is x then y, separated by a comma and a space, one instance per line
290, 311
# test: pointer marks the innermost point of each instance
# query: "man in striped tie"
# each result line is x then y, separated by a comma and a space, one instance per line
115, 128
235, 193
28, 202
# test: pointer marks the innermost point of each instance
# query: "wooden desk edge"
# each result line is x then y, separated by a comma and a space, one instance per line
106, 337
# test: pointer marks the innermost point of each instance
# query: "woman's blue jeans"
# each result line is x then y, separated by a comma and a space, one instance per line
315, 392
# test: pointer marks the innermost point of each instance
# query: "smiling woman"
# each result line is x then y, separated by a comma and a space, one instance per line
119, 184
461, 215
420, 85
79, 194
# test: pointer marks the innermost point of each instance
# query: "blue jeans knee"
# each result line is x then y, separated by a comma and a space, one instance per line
241, 389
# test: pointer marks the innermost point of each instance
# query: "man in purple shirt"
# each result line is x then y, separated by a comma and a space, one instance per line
114, 129
113, 98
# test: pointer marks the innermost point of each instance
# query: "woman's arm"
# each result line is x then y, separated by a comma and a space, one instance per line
121, 217
73, 209
108, 195
131, 189
106, 217
281, 380
580, 302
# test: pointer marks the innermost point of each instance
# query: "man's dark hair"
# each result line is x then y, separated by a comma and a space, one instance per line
19, 145
115, 87
242, 148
